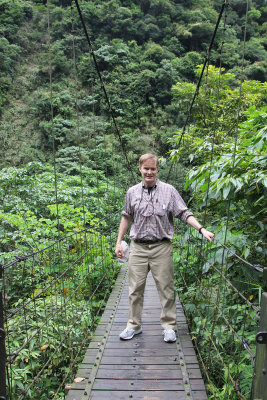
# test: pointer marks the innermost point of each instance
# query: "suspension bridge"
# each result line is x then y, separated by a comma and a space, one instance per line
60, 321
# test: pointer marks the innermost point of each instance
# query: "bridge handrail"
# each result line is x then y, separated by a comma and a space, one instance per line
84, 258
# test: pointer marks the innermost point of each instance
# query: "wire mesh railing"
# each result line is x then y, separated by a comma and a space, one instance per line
220, 290
51, 303
220, 293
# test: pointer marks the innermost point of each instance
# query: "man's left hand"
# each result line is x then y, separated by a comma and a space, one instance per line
207, 234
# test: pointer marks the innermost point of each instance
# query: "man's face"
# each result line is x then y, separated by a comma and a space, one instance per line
149, 171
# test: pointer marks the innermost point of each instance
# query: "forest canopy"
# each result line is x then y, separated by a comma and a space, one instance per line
142, 49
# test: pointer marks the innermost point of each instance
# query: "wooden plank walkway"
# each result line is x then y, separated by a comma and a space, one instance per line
142, 368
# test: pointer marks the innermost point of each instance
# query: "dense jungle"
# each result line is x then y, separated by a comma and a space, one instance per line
68, 154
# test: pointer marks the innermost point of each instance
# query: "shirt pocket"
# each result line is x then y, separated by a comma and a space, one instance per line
161, 209
162, 213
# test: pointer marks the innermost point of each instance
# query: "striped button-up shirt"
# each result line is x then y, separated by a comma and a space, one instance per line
152, 211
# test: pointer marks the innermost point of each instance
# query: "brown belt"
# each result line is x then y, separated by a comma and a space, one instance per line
151, 241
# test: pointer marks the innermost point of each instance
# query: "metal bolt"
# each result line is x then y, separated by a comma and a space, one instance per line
260, 339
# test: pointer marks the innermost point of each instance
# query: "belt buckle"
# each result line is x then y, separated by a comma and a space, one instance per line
146, 241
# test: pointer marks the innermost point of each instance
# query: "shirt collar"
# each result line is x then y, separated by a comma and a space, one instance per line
145, 187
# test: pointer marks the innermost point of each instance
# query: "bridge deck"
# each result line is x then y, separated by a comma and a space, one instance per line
142, 368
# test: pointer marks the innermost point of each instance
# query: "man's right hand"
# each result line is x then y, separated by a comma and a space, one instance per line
119, 250
124, 224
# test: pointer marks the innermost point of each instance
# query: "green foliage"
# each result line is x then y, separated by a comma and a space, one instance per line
228, 184
218, 102
56, 300
217, 314
241, 180
12, 15
57, 295
216, 110
186, 65
29, 361
34, 211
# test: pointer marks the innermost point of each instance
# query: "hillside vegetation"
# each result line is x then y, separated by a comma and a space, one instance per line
142, 48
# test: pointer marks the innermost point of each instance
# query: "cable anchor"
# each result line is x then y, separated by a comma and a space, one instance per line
261, 337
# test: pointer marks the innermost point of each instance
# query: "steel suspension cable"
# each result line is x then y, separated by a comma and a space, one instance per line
237, 125
238, 115
52, 109
216, 113
200, 78
105, 91
77, 110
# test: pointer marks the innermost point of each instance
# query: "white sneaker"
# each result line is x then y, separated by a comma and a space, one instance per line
169, 336
129, 333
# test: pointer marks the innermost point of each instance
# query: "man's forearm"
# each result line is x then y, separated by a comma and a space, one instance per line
192, 221
124, 225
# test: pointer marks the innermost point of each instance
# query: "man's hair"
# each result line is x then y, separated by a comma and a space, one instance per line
146, 157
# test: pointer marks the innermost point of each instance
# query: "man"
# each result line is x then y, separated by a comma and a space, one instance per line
151, 206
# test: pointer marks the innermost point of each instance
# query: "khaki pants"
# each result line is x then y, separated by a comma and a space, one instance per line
156, 257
